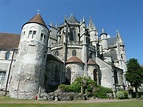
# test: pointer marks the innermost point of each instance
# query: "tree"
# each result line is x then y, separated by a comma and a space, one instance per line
134, 74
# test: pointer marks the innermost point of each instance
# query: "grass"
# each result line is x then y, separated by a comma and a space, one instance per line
10, 102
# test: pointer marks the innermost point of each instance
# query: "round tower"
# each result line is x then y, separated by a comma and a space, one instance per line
29, 68
104, 41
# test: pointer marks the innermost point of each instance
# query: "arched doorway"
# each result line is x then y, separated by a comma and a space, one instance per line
68, 75
95, 76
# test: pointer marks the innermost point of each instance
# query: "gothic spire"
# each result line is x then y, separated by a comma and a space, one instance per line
91, 25
119, 37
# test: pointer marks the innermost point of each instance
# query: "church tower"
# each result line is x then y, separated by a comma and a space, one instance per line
28, 72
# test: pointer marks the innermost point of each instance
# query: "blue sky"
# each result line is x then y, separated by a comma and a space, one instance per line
124, 15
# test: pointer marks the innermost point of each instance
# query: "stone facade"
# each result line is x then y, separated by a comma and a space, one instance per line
45, 58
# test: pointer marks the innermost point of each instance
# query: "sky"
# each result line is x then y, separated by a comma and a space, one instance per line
126, 16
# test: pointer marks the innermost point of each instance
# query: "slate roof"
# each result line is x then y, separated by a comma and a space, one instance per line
37, 19
111, 41
72, 19
9, 41
74, 59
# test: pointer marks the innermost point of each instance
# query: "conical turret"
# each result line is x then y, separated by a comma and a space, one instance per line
104, 41
28, 78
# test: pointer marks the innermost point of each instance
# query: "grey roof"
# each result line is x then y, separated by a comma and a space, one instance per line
52, 57
111, 41
72, 19
106, 54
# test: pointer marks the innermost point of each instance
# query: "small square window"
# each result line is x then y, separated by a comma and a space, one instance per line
30, 32
34, 32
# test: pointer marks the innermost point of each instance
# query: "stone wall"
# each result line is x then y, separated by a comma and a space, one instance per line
54, 74
76, 70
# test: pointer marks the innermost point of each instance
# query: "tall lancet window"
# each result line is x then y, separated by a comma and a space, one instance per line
72, 36
113, 54
68, 75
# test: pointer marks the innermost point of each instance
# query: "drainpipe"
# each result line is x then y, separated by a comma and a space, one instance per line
9, 73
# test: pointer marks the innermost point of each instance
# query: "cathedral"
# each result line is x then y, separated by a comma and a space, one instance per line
42, 57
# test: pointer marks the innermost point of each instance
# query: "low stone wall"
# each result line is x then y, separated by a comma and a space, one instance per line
62, 96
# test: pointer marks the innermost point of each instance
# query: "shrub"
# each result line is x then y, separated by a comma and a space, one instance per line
87, 84
101, 92
122, 94
90, 88
64, 87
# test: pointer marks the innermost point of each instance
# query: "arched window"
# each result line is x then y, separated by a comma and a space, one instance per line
7, 55
95, 75
56, 53
74, 53
72, 36
115, 77
68, 75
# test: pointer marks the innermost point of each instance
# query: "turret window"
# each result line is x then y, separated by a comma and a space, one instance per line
31, 34
42, 38
23, 33
34, 33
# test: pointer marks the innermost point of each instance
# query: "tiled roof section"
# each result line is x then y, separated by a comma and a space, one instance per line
37, 19
72, 19
91, 62
74, 59
9, 41
111, 41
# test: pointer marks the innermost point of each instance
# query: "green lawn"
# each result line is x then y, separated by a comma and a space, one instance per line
9, 102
